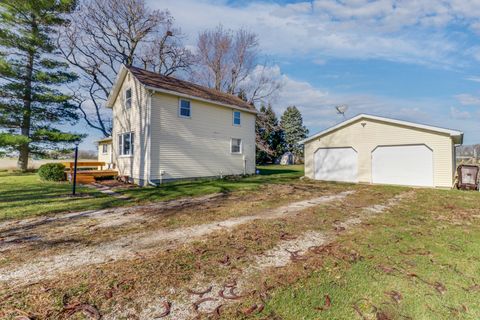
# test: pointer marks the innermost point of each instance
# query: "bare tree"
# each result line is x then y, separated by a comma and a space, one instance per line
102, 35
229, 61
165, 53
214, 49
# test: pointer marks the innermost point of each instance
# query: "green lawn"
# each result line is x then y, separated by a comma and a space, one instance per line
420, 261
417, 260
23, 195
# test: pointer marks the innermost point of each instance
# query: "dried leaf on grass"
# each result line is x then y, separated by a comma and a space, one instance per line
295, 255
201, 292
327, 304
87, 309
438, 286
197, 303
167, 306
225, 260
395, 296
474, 288
386, 269
381, 315
231, 296
258, 308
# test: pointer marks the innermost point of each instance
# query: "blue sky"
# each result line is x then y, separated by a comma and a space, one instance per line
412, 60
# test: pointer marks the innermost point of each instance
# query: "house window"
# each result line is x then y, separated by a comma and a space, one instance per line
125, 144
104, 148
236, 146
236, 118
128, 98
185, 108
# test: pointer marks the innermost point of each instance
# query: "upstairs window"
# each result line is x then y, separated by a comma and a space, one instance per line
236, 146
125, 144
185, 110
236, 118
104, 148
128, 98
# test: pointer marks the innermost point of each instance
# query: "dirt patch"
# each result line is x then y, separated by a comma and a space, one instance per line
110, 214
132, 245
220, 294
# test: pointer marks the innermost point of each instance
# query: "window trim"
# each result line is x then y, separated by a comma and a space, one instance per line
126, 99
121, 143
239, 118
241, 146
180, 108
103, 147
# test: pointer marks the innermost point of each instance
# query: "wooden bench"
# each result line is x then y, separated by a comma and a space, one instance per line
87, 171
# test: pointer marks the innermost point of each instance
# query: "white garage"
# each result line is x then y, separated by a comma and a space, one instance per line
403, 165
372, 149
336, 164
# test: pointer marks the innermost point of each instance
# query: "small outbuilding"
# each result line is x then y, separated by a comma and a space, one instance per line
378, 150
105, 151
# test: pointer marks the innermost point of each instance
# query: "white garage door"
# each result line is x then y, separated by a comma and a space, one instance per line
403, 165
336, 164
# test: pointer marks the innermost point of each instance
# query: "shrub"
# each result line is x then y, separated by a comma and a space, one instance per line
52, 172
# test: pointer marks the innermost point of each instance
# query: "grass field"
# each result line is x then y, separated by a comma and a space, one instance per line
420, 261
33, 164
23, 195
417, 259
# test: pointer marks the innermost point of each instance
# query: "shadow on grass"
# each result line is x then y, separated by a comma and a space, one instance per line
267, 172
24, 195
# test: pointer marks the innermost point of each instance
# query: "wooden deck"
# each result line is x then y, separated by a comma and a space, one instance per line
87, 172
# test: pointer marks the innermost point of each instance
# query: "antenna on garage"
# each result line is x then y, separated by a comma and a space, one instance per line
341, 109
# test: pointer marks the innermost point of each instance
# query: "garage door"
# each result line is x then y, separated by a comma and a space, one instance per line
336, 164
403, 165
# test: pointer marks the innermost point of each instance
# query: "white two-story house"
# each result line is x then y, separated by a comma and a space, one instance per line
166, 129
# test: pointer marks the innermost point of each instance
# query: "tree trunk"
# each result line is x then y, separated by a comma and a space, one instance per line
22, 163
24, 148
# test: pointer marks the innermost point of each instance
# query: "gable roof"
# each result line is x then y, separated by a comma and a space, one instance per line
456, 135
103, 140
160, 83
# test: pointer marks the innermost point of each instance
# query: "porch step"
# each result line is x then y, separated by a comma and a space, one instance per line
85, 179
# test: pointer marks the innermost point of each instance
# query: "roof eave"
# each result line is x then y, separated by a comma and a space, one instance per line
458, 139
116, 87
104, 140
183, 95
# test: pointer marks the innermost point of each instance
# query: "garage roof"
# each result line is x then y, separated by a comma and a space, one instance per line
456, 135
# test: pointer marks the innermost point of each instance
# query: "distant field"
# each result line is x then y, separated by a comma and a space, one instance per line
10, 163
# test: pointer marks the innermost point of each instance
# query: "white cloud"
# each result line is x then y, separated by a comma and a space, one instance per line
473, 78
318, 104
468, 99
456, 113
319, 61
405, 31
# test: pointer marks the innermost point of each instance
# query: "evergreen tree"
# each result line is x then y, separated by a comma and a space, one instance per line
31, 76
270, 143
294, 130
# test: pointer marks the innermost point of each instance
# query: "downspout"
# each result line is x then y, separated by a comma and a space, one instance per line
454, 169
244, 165
149, 139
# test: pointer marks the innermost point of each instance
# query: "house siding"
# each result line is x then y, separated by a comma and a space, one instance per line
134, 119
181, 147
365, 138
105, 157
198, 146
